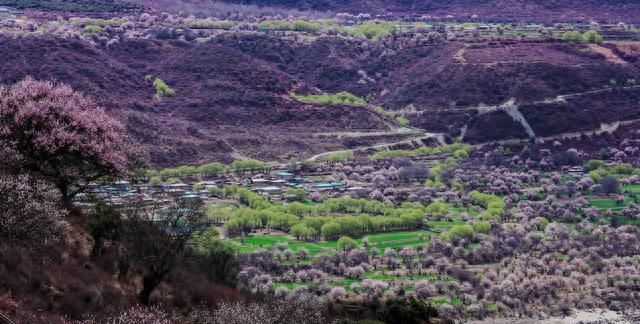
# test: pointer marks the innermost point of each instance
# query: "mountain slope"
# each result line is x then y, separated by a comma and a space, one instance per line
528, 10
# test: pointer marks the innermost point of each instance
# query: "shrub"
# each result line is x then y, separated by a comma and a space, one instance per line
373, 30
593, 164
459, 231
346, 243
239, 165
407, 311
610, 185
573, 36
162, 89
104, 223
340, 98
92, 29
402, 121
303, 25
592, 37
341, 156
155, 181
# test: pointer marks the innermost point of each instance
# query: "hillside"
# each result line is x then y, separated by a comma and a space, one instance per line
612, 11
226, 101
528, 10
232, 93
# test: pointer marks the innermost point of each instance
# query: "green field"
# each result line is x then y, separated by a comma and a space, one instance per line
633, 188
445, 223
610, 203
394, 240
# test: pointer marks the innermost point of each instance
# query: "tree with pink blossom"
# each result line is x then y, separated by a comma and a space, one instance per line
29, 210
55, 132
337, 293
139, 315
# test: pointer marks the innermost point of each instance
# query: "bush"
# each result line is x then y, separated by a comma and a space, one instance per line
303, 25
341, 156
92, 29
593, 164
105, 223
239, 165
340, 98
407, 311
162, 89
458, 231
592, 37
402, 121
573, 36
346, 243
610, 185
457, 149
371, 30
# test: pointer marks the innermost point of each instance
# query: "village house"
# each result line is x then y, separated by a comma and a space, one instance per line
257, 182
278, 182
576, 170
269, 191
285, 175
330, 186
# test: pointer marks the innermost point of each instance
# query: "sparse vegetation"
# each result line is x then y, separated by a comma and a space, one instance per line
402, 121
590, 36
92, 29
341, 156
340, 98
461, 149
162, 89
373, 30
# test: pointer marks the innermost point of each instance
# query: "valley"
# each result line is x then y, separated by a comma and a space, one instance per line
319, 161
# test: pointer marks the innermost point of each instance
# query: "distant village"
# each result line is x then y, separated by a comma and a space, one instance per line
280, 185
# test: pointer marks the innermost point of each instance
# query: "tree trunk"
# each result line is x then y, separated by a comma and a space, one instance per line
97, 247
149, 284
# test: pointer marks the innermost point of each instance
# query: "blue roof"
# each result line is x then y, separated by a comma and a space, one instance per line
287, 174
324, 185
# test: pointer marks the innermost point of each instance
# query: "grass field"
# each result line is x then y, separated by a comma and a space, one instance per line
380, 241
633, 188
445, 223
609, 203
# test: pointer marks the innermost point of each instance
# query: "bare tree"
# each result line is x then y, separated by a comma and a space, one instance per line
156, 239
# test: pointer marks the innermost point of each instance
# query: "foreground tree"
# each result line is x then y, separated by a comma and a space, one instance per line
219, 261
300, 308
61, 135
138, 315
105, 223
156, 240
29, 211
